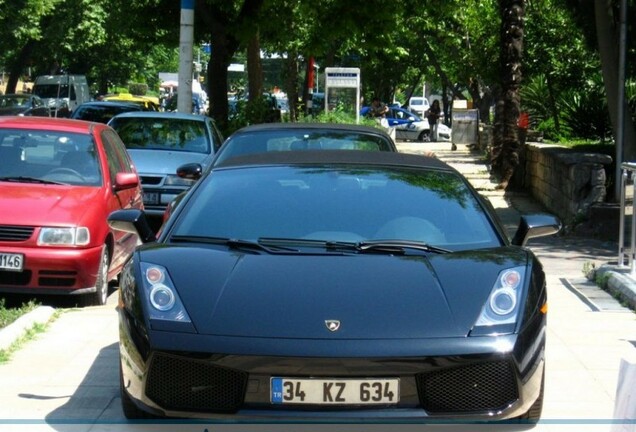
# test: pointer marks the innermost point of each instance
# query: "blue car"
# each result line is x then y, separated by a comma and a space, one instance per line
408, 125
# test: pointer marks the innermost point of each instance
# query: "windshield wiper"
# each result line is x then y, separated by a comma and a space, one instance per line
370, 246
24, 179
398, 246
232, 243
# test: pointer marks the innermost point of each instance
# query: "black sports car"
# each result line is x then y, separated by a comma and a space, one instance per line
333, 286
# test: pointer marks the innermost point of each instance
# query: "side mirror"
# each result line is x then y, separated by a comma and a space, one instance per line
125, 181
132, 221
535, 225
191, 171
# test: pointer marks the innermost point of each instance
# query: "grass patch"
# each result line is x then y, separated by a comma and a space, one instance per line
9, 315
30, 334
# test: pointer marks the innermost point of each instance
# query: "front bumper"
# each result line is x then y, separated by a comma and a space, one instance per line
52, 270
474, 383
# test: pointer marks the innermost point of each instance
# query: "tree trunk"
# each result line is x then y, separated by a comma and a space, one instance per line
505, 152
17, 67
217, 79
224, 43
290, 84
254, 69
607, 32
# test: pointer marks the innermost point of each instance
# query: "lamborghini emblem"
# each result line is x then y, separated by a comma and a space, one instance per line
332, 325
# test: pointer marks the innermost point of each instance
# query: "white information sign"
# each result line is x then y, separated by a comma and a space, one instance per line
342, 88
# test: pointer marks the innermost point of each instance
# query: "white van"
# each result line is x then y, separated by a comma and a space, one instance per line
62, 93
419, 105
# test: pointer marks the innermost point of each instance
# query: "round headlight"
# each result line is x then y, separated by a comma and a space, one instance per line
162, 297
511, 278
503, 301
154, 275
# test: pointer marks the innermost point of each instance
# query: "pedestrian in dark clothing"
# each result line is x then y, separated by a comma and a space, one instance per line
433, 114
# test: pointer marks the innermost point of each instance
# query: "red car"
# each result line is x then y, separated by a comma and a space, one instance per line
59, 180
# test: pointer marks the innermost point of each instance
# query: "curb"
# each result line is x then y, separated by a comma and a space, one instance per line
15, 330
620, 283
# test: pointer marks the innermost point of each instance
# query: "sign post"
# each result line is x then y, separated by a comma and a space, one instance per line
342, 88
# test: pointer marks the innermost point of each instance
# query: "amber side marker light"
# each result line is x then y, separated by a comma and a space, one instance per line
544, 308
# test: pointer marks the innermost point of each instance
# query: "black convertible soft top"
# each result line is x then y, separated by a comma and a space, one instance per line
349, 157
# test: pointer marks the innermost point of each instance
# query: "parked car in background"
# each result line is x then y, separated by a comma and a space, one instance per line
62, 93
276, 137
160, 142
103, 111
418, 104
22, 104
147, 103
59, 180
408, 125
372, 286
412, 127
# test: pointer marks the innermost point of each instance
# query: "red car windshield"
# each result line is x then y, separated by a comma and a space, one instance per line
48, 156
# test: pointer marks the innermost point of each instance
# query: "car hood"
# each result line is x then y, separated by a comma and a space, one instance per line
162, 161
372, 296
50, 205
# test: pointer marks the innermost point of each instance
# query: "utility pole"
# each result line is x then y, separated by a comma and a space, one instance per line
186, 38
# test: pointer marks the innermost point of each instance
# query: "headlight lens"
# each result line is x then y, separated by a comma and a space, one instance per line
74, 236
162, 295
499, 314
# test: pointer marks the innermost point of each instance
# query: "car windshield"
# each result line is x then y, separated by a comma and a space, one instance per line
284, 140
54, 91
101, 113
42, 156
337, 204
13, 101
156, 133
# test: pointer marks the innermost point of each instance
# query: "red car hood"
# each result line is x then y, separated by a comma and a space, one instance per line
34, 204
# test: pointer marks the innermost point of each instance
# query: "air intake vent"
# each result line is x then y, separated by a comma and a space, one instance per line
15, 233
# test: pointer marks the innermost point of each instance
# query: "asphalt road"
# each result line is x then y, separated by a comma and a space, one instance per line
66, 380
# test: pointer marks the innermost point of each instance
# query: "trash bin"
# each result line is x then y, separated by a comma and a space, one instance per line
465, 126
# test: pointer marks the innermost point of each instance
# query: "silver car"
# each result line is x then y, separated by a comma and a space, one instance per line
160, 142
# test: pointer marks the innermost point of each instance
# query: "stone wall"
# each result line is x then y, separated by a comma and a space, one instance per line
566, 182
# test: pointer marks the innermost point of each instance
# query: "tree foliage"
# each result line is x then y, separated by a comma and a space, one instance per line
453, 46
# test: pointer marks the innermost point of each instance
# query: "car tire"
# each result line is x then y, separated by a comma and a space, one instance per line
424, 136
99, 297
533, 415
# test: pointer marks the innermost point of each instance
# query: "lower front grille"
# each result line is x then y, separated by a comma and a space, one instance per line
488, 386
15, 278
184, 384
61, 279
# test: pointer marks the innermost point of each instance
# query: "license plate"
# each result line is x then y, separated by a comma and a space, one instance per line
325, 391
151, 198
12, 262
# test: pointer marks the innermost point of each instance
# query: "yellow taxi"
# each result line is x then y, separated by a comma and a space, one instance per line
149, 103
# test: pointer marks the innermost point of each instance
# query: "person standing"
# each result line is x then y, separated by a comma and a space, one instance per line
433, 114
377, 108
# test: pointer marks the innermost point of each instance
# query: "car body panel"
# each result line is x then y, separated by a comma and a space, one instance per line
28, 206
316, 305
